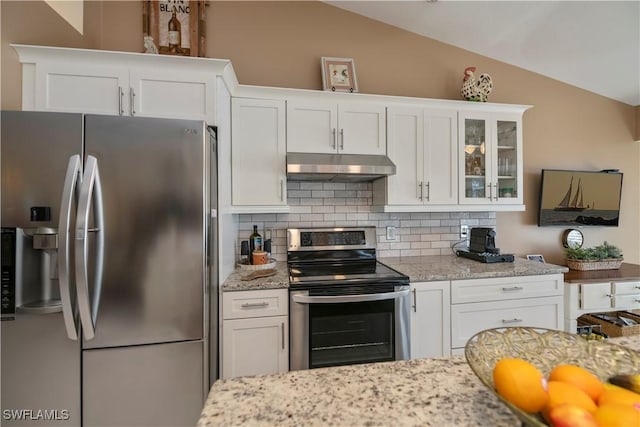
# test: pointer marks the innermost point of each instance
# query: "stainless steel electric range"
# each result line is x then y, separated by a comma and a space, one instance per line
345, 306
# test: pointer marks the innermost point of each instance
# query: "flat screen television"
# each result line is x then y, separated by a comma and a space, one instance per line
577, 198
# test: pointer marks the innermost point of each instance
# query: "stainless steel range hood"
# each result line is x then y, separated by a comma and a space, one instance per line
338, 167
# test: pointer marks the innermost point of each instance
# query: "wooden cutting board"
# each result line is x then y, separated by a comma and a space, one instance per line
258, 274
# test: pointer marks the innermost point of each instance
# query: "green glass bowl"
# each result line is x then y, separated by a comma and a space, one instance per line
545, 348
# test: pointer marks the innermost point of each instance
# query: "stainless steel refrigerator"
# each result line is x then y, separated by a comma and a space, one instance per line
108, 264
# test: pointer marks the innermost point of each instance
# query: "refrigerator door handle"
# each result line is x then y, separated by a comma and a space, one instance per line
64, 224
90, 190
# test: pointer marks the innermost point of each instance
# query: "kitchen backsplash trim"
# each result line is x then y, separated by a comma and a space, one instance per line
336, 204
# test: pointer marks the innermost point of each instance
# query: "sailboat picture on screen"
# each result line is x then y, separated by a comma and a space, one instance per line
580, 197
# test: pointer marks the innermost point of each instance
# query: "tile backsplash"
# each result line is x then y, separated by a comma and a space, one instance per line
329, 204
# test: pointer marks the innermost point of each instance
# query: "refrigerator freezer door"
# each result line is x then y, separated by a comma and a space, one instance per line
154, 195
36, 147
148, 385
40, 372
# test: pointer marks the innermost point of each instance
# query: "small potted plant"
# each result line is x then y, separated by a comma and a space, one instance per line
601, 257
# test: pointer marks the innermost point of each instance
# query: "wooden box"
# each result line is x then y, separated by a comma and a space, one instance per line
610, 328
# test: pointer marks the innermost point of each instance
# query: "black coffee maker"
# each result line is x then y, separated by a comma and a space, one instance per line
483, 240
482, 247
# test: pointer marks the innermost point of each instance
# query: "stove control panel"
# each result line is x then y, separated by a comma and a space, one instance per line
331, 238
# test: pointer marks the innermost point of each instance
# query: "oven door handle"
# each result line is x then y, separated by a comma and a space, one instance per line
306, 299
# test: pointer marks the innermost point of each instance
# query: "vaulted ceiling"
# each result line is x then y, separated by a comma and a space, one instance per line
593, 45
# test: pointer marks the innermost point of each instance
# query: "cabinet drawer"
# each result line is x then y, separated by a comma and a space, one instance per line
626, 301
505, 288
245, 304
625, 288
469, 319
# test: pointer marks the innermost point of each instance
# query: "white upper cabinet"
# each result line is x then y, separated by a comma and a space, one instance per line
121, 83
172, 94
329, 127
423, 145
258, 155
490, 158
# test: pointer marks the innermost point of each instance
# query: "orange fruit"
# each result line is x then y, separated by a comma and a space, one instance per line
617, 415
580, 377
520, 383
568, 415
561, 392
614, 394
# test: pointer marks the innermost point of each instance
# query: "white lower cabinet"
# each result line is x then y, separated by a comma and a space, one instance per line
255, 333
430, 314
583, 298
479, 304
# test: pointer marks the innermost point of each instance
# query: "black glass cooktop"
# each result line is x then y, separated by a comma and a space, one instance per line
338, 273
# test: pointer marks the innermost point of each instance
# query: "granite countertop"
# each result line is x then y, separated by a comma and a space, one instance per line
439, 392
450, 267
419, 269
278, 281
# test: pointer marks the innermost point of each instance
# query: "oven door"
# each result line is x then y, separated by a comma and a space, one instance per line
348, 325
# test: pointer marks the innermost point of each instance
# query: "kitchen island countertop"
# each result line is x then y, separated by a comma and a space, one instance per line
427, 392
419, 269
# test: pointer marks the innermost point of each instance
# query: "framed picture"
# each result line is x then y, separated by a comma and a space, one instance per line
174, 27
538, 258
339, 75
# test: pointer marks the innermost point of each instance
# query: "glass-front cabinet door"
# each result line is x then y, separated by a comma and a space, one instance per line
506, 186
476, 158
491, 145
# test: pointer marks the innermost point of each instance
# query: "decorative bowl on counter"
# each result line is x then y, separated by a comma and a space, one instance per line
545, 348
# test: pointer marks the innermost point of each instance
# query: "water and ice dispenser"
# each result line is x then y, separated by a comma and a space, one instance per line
30, 271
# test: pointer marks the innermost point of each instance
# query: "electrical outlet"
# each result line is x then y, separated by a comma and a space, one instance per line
392, 233
464, 231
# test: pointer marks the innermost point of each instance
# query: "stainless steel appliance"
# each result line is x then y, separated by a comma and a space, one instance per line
345, 307
108, 265
338, 167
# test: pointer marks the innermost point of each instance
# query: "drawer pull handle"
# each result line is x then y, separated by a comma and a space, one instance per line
255, 305
512, 288
514, 320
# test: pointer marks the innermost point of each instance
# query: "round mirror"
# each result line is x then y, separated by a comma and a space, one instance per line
572, 238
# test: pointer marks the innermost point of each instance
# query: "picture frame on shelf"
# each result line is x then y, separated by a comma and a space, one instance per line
166, 34
536, 257
339, 74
